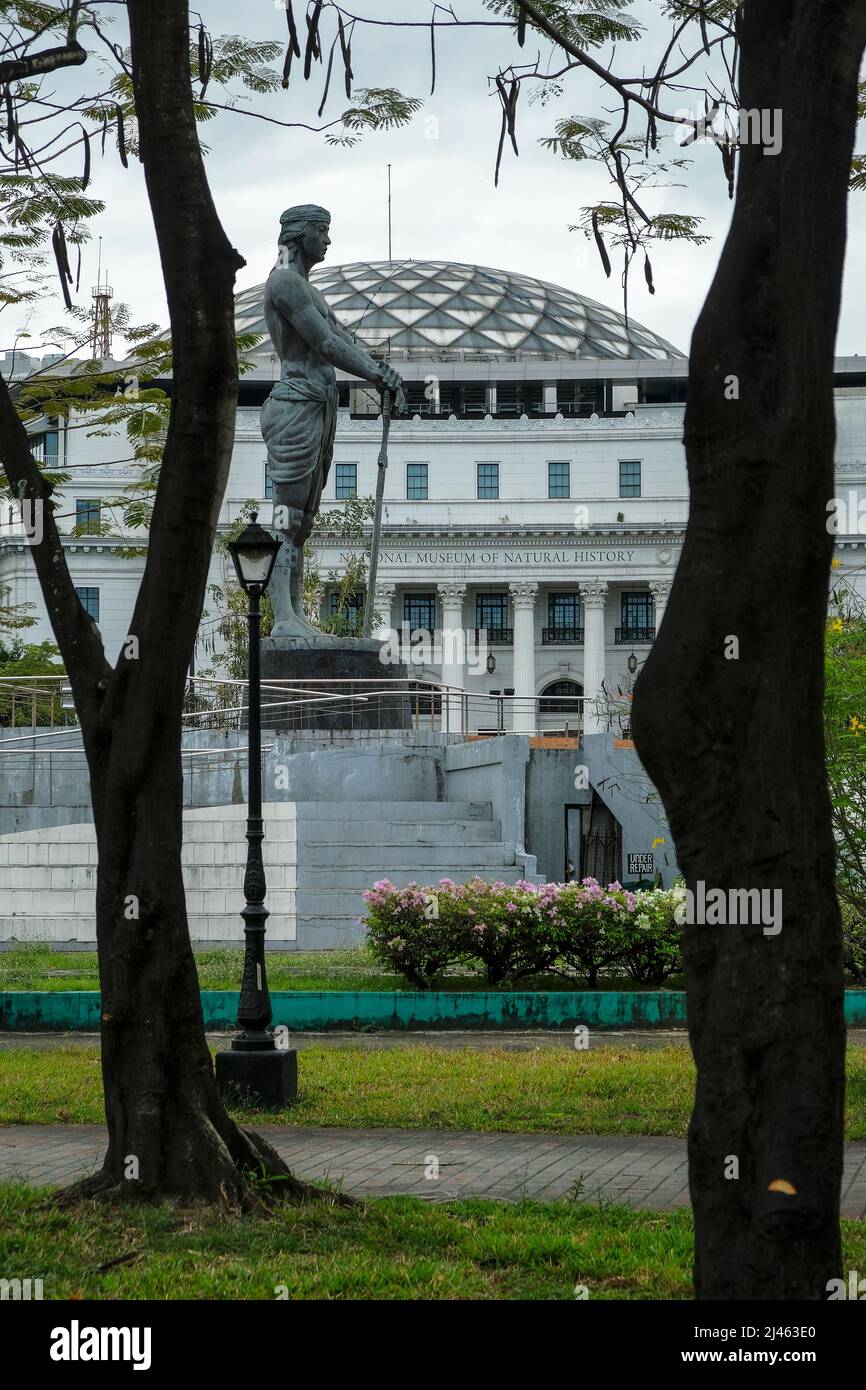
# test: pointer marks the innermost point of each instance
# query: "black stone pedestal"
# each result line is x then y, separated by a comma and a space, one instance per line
328, 678
268, 1078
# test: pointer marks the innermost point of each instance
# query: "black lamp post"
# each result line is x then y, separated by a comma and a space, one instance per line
255, 1065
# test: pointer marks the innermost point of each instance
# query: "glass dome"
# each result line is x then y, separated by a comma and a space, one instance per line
431, 308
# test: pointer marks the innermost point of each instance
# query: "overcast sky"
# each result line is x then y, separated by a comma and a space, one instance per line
445, 206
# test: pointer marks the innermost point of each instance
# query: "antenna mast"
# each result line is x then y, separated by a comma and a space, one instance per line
390, 256
100, 340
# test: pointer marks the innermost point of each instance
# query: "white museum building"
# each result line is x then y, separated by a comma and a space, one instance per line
536, 498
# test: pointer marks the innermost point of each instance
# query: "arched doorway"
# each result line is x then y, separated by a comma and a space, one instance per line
560, 708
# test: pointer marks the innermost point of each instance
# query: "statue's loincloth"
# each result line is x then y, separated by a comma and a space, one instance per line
299, 421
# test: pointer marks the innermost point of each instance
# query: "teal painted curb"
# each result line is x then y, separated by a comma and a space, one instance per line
382, 1011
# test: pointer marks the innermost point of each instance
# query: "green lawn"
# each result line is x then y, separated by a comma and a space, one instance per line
608, 1091
398, 1248
37, 966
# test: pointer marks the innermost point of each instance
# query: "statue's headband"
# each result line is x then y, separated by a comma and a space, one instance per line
294, 220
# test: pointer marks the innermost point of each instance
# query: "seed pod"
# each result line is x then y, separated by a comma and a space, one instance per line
313, 50
327, 78
521, 28
503, 97
648, 273
10, 114
104, 129
202, 53
433, 52
703, 20
729, 160
206, 70
78, 269
21, 153
294, 42
513, 94
347, 54
287, 65
85, 177
121, 138
58, 242
599, 241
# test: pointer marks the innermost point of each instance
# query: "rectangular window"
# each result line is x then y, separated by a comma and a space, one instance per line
491, 611
559, 480
269, 486
347, 481
419, 611
488, 480
88, 514
89, 601
563, 611
629, 478
353, 608
637, 612
416, 482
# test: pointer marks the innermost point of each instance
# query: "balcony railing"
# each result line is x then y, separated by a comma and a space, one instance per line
562, 636
495, 636
628, 636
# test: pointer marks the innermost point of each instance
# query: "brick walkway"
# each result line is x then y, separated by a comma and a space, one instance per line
640, 1172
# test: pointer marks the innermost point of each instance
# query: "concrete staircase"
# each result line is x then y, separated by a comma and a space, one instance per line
319, 858
357, 843
48, 877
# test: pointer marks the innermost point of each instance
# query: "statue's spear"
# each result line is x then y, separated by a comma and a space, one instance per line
377, 517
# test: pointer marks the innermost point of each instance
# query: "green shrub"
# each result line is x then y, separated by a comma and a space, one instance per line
853, 944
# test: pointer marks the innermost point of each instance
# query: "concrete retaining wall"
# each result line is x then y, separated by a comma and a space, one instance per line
377, 1011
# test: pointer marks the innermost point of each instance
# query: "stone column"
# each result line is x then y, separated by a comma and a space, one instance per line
594, 594
451, 596
383, 601
660, 590
523, 598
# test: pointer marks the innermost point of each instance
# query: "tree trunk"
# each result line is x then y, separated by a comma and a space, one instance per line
735, 743
168, 1132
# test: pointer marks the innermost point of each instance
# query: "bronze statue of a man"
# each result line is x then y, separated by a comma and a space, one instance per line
300, 415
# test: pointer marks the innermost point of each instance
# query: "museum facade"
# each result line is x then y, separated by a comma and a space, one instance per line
535, 502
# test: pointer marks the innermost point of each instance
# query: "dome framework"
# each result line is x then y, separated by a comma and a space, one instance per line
432, 308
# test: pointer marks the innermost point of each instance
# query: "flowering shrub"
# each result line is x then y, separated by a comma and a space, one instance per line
576, 929
503, 928
413, 930
591, 925
654, 950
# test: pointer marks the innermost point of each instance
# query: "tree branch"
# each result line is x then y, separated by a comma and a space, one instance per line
68, 56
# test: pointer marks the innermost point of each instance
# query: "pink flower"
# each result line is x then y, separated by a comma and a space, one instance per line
511, 907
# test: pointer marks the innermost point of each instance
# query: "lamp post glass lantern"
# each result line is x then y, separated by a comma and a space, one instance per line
255, 1065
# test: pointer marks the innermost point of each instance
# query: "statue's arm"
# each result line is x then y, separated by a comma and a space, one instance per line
291, 295
385, 376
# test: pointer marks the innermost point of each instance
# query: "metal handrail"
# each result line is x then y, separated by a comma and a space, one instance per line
434, 705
